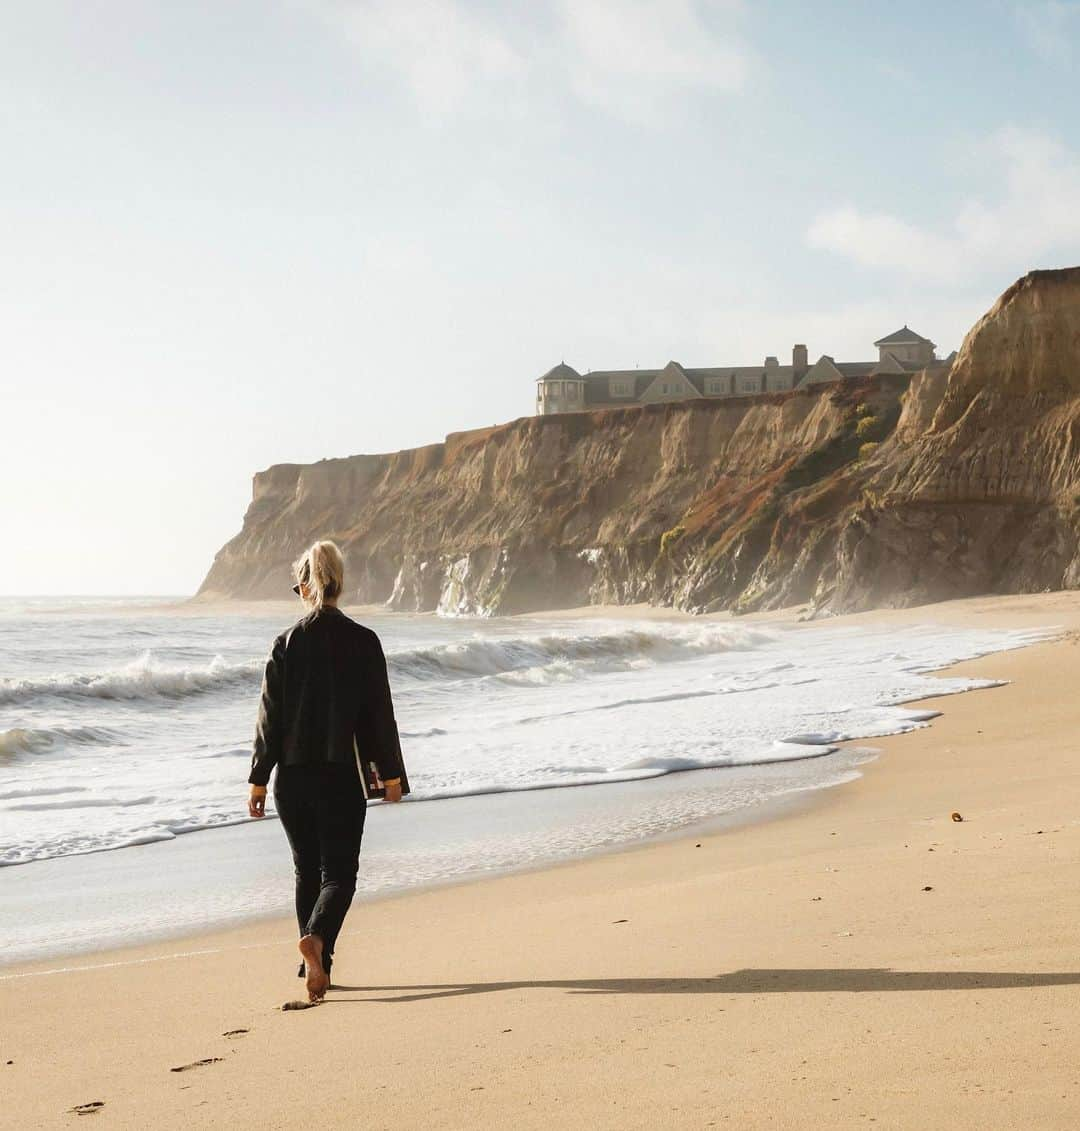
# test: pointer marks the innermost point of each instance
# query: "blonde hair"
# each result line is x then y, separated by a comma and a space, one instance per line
321, 569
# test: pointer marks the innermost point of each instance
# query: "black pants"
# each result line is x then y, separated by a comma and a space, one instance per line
322, 810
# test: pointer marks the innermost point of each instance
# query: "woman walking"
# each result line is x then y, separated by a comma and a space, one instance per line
326, 721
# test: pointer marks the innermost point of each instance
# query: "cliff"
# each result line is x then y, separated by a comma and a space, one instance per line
888, 490
979, 490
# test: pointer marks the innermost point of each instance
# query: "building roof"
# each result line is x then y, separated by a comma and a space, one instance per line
855, 368
905, 335
826, 368
596, 384
561, 372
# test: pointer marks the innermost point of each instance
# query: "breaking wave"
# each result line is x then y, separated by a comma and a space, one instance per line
142, 679
540, 658
32, 740
570, 655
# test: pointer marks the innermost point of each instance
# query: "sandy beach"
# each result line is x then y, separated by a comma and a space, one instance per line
862, 959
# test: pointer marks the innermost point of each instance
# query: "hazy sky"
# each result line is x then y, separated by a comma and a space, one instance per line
234, 234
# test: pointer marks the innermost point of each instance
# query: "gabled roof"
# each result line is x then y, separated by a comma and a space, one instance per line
904, 336
672, 371
561, 372
827, 368
889, 364
892, 364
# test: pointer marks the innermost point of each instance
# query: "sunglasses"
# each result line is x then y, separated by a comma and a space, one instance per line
296, 590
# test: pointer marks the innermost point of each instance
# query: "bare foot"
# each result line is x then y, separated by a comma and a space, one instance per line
311, 947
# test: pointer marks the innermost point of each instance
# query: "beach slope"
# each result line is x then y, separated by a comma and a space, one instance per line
863, 960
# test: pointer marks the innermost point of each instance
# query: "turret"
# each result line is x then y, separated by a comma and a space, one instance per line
912, 350
561, 389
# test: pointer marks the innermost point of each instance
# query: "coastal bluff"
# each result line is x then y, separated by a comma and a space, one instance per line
888, 490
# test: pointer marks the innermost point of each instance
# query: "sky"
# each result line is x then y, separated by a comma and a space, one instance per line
234, 234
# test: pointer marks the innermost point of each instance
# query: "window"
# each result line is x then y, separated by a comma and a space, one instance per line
571, 392
619, 389
715, 386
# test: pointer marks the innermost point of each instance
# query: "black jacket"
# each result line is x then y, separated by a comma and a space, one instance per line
326, 698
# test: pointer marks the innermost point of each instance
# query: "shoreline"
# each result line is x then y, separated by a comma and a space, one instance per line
204, 875
860, 957
1016, 610
775, 808
87, 869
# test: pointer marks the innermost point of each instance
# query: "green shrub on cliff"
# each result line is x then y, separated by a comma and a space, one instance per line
670, 537
867, 450
867, 427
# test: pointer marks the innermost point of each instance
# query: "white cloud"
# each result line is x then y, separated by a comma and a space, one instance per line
1050, 28
880, 240
630, 58
1031, 221
442, 50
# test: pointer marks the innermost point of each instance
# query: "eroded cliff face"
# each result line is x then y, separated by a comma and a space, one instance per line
870, 492
978, 490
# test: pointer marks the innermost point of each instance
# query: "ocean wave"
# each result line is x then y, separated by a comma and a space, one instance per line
35, 740
83, 803
565, 655
615, 704
637, 770
144, 678
230, 752
43, 791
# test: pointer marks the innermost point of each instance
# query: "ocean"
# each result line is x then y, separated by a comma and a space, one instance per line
125, 739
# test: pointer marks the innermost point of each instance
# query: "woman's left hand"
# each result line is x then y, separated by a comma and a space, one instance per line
257, 801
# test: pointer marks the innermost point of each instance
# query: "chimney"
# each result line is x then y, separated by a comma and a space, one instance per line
799, 362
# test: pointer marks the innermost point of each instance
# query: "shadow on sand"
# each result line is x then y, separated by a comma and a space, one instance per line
737, 982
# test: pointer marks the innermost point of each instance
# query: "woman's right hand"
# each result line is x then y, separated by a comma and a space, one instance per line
257, 801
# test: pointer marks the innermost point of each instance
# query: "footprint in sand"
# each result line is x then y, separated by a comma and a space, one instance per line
196, 1064
88, 1109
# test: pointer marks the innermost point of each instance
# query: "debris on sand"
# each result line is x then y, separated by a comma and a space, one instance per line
196, 1064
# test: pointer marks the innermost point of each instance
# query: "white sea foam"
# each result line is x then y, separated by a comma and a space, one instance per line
11, 794
79, 803
38, 740
152, 744
549, 654
143, 678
